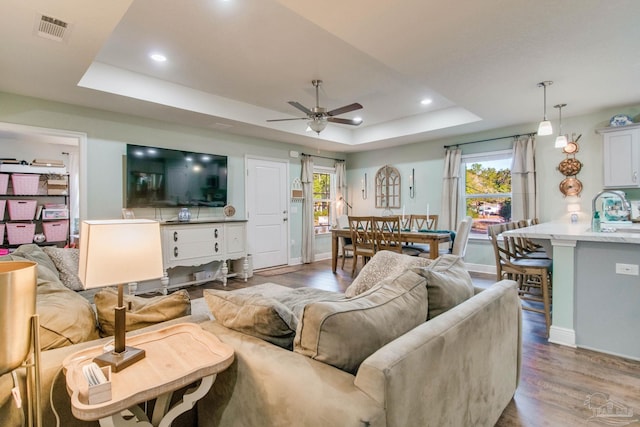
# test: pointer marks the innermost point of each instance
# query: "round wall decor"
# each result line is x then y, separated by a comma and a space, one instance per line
570, 166
571, 186
229, 210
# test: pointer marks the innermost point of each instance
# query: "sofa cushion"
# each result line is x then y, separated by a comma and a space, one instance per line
382, 265
142, 312
66, 261
33, 252
448, 282
65, 317
344, 333
268, 311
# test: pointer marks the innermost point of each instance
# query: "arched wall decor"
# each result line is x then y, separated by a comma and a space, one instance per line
388, 188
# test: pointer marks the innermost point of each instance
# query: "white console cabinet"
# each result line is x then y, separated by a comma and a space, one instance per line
192, 244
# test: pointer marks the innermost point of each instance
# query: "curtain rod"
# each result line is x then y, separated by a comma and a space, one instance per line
492, 139
322, 157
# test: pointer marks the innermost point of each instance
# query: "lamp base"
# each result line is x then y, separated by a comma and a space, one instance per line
119, 361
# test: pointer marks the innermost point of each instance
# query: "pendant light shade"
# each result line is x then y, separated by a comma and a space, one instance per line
545, 127
317, 124
561, 140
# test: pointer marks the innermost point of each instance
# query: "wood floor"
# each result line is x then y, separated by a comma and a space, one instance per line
559, 386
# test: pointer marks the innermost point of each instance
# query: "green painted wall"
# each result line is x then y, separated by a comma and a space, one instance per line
108, 133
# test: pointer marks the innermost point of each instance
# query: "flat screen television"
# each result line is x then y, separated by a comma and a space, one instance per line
160, 177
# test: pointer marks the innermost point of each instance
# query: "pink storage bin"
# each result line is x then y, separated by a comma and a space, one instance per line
56, 231
25, 183
2, 206
20, 210
2, 236
4, 182
20, 233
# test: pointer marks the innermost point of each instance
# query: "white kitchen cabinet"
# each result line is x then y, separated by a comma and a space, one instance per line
192, 244
621, 149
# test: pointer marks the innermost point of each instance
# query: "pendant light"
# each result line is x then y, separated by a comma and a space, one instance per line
561, 140
545, 125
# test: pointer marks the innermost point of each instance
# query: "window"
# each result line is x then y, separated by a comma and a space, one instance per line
323, 191
487, 189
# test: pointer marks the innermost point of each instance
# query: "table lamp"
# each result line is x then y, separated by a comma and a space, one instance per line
118, 252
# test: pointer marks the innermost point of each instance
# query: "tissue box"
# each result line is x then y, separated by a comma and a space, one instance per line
101, 392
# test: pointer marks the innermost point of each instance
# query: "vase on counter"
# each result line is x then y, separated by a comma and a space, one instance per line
184, 215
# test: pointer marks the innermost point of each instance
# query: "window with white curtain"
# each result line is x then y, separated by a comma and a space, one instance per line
486, 186
324, 190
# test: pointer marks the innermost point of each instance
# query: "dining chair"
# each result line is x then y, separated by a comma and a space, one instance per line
388, 235
345, 243
532, 275
459, 246
459, 240
424, 222
362, 239
418, 222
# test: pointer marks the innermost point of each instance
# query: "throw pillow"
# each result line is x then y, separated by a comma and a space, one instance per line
382, 265
66, 261
142, 312
344, 333
448, 283
268, 311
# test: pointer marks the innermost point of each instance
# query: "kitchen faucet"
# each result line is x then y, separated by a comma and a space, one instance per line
620, 194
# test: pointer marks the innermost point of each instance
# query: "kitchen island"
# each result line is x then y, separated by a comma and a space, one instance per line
596, 286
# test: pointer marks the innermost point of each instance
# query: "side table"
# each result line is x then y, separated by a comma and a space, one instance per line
176, 356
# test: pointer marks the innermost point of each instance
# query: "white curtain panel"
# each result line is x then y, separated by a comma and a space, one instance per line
307, 210
524, 189
450, 190
341, 188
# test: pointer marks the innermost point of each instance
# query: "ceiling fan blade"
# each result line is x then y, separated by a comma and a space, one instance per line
283, 120
345, 109
344, 121
300, 107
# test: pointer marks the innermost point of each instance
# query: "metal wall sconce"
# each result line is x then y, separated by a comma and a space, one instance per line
364, 187
412, 184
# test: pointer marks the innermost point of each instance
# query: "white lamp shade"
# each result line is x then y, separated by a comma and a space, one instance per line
573, 207
119, 251
545, 128
561, 141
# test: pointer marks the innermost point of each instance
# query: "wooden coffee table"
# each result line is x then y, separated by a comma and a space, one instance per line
176, 356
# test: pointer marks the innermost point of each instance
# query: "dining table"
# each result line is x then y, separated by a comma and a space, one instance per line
432, 238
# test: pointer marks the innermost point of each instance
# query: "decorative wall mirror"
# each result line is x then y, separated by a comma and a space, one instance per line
388, 188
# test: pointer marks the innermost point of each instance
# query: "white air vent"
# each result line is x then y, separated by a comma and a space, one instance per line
51, 28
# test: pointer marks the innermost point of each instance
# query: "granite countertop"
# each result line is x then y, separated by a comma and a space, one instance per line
563, 230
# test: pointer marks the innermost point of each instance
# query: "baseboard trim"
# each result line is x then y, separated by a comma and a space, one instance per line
562, 336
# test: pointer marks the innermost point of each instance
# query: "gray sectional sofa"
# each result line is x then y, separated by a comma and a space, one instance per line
372, 359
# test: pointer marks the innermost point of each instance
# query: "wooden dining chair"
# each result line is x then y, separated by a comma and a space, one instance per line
345, 242
363, 239
424, 222
533, 275
388, 235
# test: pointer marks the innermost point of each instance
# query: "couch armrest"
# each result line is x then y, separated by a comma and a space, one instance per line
268, 385
460, 368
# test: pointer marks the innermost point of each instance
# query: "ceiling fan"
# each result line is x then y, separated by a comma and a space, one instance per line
319, 116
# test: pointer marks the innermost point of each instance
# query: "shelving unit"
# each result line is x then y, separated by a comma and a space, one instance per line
33, 210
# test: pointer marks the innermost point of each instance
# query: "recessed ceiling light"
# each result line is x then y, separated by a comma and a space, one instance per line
426, 101
158, 57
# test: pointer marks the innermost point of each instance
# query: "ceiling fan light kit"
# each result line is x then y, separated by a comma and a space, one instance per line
545, 127
318, 116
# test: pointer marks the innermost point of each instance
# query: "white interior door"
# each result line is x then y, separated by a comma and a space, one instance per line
267, 212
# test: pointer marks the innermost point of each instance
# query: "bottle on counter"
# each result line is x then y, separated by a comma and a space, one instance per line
595, 223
